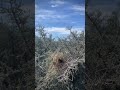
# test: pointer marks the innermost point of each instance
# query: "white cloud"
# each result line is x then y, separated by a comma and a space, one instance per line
48, 14
54, 6
61, 30
57, 30
44, 11
57, 2
78, 8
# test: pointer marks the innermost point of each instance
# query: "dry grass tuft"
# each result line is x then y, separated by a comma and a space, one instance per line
62, 69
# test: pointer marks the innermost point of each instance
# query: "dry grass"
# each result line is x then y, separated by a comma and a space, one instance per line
62, 70
59, 64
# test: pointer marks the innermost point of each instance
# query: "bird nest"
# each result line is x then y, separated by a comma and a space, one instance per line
63, 71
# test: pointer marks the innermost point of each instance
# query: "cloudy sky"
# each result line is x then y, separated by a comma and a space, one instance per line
56, 15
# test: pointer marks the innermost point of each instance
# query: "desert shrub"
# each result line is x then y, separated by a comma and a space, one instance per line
102, 58
16, 46
59, 63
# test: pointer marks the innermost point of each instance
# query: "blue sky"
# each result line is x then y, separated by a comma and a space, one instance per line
56, 15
